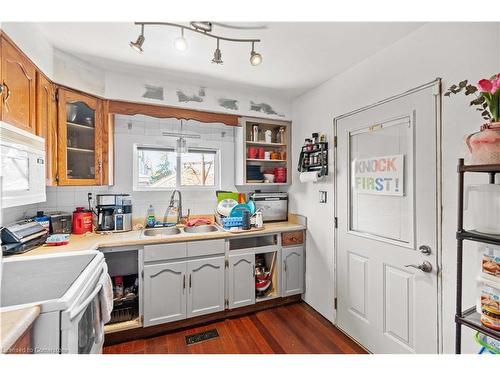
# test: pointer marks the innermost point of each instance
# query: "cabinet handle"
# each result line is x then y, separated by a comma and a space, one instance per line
6, 97
189, 281
183, 281
284, 264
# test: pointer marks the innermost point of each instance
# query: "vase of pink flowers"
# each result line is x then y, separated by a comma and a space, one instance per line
484, 145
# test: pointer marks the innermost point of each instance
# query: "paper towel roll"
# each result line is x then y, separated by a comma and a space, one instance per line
308, 177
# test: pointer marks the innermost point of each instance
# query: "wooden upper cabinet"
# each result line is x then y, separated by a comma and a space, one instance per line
46, 124
18, 97
80, 139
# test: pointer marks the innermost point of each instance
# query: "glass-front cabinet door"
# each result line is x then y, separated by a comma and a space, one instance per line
80, 132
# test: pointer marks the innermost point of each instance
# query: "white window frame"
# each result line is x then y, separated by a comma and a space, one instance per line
178, 186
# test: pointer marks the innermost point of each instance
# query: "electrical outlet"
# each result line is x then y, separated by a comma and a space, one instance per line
322, 196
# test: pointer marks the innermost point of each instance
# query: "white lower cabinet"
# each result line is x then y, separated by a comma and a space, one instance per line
164, 292
180, 290
241, 280
292, 266
205, 286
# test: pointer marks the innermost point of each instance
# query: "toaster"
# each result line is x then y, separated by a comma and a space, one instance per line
274, 206
60, 222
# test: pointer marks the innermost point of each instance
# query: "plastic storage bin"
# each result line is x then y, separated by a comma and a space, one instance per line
489, 261
485, 206
488, 302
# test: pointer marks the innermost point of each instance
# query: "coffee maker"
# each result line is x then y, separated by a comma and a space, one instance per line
114, 213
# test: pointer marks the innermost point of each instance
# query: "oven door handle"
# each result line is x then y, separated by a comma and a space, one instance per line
75, 312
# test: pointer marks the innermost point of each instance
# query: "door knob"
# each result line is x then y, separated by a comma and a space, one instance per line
425, 249
424, 267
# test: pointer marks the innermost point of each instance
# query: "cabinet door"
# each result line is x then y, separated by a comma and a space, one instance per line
205, 286
46, 125
18, 88
292, 270
164, 293
241, 280
80, 126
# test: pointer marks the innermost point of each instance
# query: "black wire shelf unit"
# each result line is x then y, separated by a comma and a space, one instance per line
470, 317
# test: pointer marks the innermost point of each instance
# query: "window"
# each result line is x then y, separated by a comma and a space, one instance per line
162, 168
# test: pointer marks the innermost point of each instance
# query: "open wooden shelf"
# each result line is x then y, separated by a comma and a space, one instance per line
266, 144
122, 326
269, 160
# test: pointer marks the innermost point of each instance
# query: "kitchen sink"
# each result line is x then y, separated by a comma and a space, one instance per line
201, 229
161, 232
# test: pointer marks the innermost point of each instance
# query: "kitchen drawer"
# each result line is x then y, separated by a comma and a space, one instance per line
165, 251
292, 238
202, 248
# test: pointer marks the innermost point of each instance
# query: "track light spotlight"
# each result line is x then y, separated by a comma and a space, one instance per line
255, 58
137, 45
217, 55
180, 43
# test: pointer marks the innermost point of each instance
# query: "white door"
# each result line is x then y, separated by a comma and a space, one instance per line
387, 212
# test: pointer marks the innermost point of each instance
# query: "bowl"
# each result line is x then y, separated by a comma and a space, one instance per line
269, 177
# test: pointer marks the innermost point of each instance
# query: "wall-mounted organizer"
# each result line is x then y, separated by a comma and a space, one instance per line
313, 159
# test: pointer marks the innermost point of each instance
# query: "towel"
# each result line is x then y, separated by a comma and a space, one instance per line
106, 297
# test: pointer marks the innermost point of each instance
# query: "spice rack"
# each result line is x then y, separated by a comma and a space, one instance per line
469, 317
314, 158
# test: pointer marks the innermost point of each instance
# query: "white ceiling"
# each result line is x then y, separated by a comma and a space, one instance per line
296, 55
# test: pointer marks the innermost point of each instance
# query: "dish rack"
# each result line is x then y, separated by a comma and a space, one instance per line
470, 317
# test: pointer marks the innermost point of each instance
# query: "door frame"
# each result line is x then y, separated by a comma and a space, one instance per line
437, 85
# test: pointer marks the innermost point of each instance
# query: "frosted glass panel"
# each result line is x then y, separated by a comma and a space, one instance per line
385, 216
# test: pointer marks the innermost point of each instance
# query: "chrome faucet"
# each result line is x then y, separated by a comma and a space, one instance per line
179, 206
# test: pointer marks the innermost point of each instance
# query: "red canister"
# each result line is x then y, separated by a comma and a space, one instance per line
82, 221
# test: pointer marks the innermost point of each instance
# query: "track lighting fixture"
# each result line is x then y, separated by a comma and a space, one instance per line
201, 28
180, 43
217, 55
255, 58
137, 45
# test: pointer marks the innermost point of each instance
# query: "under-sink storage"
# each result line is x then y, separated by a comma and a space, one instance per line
124, 267
183, 280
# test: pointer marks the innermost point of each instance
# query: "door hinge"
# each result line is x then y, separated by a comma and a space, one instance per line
335, 141
336, 222
335, 303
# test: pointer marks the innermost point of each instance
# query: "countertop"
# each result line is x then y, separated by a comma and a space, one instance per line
14, 323
93, 241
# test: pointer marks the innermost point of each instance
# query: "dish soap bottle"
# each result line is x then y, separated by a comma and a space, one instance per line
150, 219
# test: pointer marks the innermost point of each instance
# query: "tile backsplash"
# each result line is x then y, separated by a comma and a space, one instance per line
148, 131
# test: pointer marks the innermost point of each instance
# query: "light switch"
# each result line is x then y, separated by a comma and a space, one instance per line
322, 196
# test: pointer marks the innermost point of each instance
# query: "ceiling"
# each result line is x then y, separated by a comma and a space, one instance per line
296, 55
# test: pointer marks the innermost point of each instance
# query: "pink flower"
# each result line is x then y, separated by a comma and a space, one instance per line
485, 85
496, 85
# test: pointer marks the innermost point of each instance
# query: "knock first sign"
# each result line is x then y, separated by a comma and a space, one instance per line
381, 175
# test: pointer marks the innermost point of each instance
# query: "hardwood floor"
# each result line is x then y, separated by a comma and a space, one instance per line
290, 329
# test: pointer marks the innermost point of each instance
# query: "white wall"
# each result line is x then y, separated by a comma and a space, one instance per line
451, 51
28, 38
